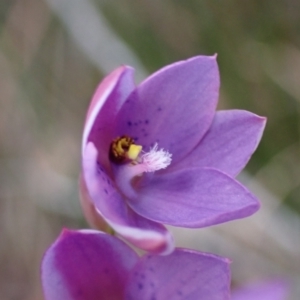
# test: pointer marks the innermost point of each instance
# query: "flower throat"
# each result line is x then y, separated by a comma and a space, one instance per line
123, 150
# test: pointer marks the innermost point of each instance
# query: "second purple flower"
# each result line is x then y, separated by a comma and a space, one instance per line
159, 153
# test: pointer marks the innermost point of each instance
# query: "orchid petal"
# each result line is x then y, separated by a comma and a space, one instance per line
196, 197
83, 265
174, 107
184, 274
88, 208
229, 143
109, 203
100, 121
271, 290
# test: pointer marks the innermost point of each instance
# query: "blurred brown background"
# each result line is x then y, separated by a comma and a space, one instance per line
53, 53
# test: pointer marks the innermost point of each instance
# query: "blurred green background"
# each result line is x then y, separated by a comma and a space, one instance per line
53, 53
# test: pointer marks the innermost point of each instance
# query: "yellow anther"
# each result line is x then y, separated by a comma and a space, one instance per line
134, 151
123, 149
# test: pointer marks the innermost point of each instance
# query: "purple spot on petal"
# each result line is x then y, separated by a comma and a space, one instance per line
146, 121
179, 293
80, 293
129, 123
106, 192
140, 286
99, 168
159, 109
152, 284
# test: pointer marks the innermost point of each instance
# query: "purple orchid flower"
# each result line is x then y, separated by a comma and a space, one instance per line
91, 265
159, 153
269, 290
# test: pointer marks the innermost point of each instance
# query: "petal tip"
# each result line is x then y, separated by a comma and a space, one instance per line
65, 232
263, 120
251, 209
208, 58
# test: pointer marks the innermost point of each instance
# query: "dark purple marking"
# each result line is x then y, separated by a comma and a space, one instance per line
140, 286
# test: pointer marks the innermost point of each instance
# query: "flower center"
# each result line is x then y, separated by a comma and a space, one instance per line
123, 149
130, 162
